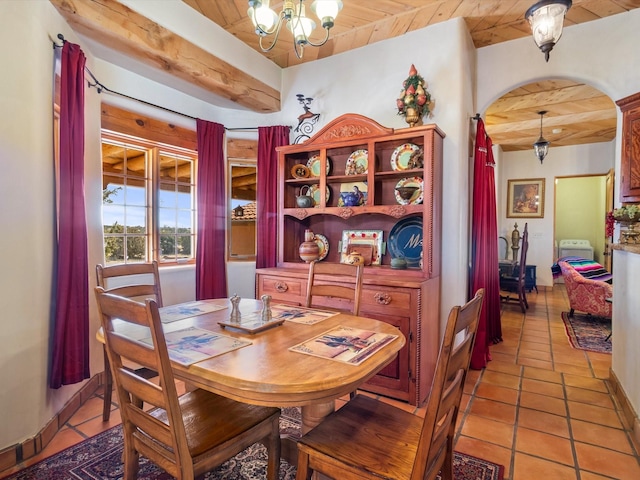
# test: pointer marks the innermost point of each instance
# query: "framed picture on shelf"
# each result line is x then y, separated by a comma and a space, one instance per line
366, 242
525, 198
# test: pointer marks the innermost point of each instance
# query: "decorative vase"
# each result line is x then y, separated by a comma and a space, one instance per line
309, 249
413, 117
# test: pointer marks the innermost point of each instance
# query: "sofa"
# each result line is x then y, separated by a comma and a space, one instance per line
586, 295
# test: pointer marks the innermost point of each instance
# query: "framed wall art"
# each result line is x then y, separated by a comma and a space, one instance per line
525, 198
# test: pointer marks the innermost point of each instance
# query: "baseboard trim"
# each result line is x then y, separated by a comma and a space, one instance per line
629, 415
18, 453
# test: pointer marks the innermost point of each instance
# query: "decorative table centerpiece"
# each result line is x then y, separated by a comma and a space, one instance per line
414, 100
628, 215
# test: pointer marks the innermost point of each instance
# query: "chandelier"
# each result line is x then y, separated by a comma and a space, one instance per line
267, 22
541, 146
546, 18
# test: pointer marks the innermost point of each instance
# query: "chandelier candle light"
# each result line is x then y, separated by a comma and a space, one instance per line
267, 22
546, 18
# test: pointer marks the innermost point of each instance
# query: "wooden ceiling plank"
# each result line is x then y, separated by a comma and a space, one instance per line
118, 27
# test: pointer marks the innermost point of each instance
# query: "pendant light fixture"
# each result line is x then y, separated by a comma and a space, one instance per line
541, 146
267, 22
546, 18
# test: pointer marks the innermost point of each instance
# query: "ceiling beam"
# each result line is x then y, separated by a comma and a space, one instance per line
116, 26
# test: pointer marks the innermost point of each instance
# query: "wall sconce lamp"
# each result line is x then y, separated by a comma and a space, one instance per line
267, 22
546, 18
541, 146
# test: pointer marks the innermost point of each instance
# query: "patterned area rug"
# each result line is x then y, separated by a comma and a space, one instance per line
100, 458
588, 332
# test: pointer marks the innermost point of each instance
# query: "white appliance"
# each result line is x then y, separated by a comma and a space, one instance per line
575, 248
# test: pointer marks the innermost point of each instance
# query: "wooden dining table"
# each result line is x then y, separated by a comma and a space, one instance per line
267, 372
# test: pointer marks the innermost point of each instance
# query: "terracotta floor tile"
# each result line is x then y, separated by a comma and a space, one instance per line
544, 445
543, 422
542, 374
502, 412
542, 388
501, 379
574, 369
591, 476
585, 382
502, 357
527, 467
599, 415
91, 408
577, 359
532, 362
543, 403
607, 462
536, 354
495, 392
589, 396
488, 430
599, 435
542, 347
504, 367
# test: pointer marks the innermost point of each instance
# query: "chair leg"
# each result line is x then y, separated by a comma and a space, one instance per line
303, 473
571, 312
273, 452
108, 388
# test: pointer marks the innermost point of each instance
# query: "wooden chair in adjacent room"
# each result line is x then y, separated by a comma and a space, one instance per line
137, 281
342, 287
186, 435
515, 284
370, 439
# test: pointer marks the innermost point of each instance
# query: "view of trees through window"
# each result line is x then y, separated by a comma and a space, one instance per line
148, 202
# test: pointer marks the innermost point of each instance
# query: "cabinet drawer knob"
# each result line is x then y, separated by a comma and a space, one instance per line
281, 287
383, 298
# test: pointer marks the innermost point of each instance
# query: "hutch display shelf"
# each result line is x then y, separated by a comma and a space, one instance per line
351, 151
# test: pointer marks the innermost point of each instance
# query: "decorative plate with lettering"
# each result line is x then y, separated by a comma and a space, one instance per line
405, 240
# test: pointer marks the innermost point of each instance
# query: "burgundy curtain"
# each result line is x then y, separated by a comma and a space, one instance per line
70, 355
267, 193
484, 249
211, 273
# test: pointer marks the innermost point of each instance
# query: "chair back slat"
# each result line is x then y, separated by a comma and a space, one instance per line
339, 281
137, 281
438, 428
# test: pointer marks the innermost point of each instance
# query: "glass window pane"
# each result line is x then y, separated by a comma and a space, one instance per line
241, 230
185, 219
135, 161
114, 249
185, 197
113, 218
168, 247
114, 191
136, 219
136, 249
184, 246
167, 196
185, 170
167, 168
167, 220
135, 193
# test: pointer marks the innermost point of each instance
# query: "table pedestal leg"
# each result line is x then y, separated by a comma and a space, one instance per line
312, 415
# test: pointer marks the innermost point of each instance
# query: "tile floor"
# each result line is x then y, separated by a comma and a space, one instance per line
540, 408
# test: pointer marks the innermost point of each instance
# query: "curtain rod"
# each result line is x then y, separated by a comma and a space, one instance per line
100, 87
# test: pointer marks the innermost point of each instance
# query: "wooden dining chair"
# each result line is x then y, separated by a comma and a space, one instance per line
137, 281
515, 284
371, 439
342, 287
186, 435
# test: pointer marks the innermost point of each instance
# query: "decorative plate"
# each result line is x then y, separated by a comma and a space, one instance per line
405, 240
401, 156
300, 171
417, 196
314, 191
350, 188
357, 163
314, 166
323, 245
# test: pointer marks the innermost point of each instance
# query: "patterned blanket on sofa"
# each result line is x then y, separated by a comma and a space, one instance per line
587, 268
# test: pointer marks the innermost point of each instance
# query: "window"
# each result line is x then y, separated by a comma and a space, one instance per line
242, 217
148, 201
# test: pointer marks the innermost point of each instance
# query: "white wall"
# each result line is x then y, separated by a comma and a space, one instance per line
596, 158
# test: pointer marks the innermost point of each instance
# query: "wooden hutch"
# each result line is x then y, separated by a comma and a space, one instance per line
408, 298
